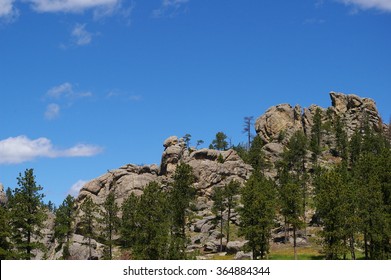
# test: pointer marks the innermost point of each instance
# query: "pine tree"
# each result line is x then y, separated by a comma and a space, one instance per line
332, 206
5, 235
27, 215
372, 210
316, 135
218, 209
110, 222
88, 221
180, 197
256, 155
230, 192
292, 172
129, 221
187, 139
220, 142
63, 223
341, 139
151, 238
257, 213
248, 123
291, 202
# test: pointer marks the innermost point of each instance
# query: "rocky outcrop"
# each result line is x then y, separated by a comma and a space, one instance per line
211, 169
354, 111
122, 181
281, 121
214, 169
3, 197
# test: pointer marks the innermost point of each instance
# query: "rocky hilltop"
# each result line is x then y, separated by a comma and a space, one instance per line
214, 168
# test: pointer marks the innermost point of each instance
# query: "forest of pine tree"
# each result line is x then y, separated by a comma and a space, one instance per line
351, 200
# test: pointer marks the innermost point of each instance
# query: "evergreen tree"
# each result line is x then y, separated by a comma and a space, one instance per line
248, 123
151, 238
110, 222
220, 142
187, 139
341, 139
316, 135
256, 155
5, 235
180, 196
63, 223
199, 143
129, 221
355, 146
372, 210
332, 206
293, 173
230, 192
257, 213
27, 215
88, 221
291, 202
218, 209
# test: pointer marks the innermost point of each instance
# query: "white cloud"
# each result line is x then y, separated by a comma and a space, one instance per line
52, 111
20, 149
72, 6
8, 12
76, 187
169, 8
80, 36
66, 90
382, 5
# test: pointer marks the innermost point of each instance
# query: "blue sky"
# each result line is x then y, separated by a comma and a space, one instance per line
91, 85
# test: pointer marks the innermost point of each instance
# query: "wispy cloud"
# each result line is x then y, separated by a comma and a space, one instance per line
381, 5
63, 95
170, 8
8, 12
66, 90
80, 36
72, 6
52, 111
76, 187
15, 150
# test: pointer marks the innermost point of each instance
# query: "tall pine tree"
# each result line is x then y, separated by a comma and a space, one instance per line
257, 213
27, 215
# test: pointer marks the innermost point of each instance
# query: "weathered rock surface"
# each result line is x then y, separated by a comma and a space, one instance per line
3, 198
281, 121
123, 181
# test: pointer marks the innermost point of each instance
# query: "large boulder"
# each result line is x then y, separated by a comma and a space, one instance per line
278, 122
122, 181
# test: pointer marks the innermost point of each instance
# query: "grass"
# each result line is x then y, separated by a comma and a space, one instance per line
303, 253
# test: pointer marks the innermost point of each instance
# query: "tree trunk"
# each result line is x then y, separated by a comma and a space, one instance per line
286, 232
90, 249
366, 245
28, 249
228, 220
294, 242
221, 231
352, 249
